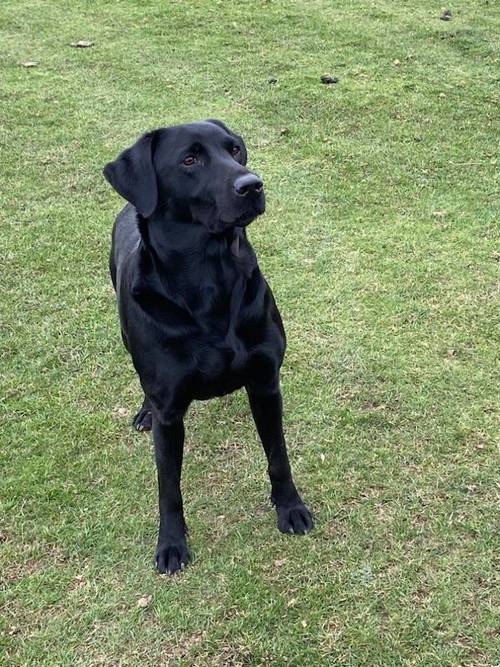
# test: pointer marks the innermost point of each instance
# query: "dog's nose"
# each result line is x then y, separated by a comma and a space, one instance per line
248, 184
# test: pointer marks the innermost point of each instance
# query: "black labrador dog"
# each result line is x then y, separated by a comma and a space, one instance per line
196, 313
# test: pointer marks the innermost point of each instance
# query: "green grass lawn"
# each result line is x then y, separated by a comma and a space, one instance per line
381, 244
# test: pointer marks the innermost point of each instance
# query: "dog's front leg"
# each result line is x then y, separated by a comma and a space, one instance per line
267, 411
172, 553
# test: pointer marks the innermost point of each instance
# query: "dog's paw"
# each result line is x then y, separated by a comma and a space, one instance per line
143, 421
295, 519
172, 557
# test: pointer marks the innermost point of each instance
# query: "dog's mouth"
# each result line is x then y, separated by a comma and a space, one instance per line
217, 222
244, 218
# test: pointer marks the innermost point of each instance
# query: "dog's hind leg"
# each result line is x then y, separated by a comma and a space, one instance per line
143, 420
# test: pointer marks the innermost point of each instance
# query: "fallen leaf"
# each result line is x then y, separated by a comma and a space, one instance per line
145, 601
439, 214
30, 63
292, 602
82, 44
121, 412
279, 562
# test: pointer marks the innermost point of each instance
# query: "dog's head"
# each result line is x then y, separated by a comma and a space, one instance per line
197, 171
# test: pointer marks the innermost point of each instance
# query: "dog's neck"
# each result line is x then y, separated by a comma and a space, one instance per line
199, 272
177, 246
164, 236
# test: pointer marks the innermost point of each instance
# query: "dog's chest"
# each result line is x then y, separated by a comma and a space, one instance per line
220, 367
209, 337
221, 352
224, 351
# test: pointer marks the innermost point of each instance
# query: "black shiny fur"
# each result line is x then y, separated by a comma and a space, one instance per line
196, 313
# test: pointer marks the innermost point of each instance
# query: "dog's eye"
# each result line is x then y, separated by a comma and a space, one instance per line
236, 151
189, 160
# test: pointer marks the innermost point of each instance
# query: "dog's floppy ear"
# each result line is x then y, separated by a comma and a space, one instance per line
222, 125
133, 175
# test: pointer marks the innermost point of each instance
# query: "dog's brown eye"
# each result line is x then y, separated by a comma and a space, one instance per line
236, 150
189, 160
